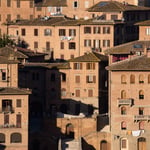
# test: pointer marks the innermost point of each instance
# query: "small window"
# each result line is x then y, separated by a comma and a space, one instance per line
31, 4
141, 125
62, 32
123, 143
18, 104
90, 66
18, 3
77, 93
16, 138
8, 3
91, 79
87, 30
141, 78
96, 43
63, 92
123, 79
3, 74
8, 17
90, 92
77, 79
72, 45
72, 32
18, 17
72, 56
75, 4
47, 46
132, 79
114, 17
35, 45
147, 31
63, 77
106, 43
106, 30
2, 138
141, 94
86, 4
61, 45
123, 111
35, 32
47, 32
38, 8
87, 43
96, 30
62, 56
123, 125
149, 79
141, 111
77, 66
123, 94
23, 32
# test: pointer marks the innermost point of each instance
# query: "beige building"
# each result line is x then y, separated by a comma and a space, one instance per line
14, 107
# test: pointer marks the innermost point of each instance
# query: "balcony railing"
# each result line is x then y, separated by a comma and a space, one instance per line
128, 101
9, 126
7, 110
142, 118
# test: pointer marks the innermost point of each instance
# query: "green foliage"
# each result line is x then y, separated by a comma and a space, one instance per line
6, 40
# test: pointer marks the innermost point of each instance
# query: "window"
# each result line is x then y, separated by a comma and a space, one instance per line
7, 105
123, 79
53, 77
141, 111
38, 8
141, 125
141, 94
8, 3
114, 17
72, 32
47, 46
132, 79
18, 120
35, 45
123, 125
9, 17
3, 75
31, 17
72, 45
63, 92
87, 30
15, 138
87, 43
18, 3
75, 4
90, 66
18, 17
2, 138
63, 77
61, 45
96, 43
123, 111
77, 93
6, 119
96, 30
62, 32
106, 30
149, 78
31, 4
23, 32
106, 43
91, 79
47, 32
90, 92
123, 94
77, 79
123, 143
62, 56
18, 103
35, 32
0, 17
72, 56
58, 10
77, 66
147, 31
86, 4
141, 78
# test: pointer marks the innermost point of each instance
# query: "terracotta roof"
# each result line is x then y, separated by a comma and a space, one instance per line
143, 23
139, 63
114, 6
9, 51
127, 48
90, 57
14, 91
29, 52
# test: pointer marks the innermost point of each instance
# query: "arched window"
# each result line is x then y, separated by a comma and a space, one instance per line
149, 78
141, 78
141, 143
16, 138
123, 79
70, 130
132, 79
141, 125
103, 145
123, 111
141, 94
123, 94
123, 125
2, 138
63, 92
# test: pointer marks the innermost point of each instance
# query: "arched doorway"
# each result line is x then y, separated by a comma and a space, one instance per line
70, 131
141, 143
103, 145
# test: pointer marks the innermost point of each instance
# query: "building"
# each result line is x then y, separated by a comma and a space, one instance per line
13, 108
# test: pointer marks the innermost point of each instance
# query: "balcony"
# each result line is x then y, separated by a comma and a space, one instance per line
9, 126
142, 118
127, 101
7, 110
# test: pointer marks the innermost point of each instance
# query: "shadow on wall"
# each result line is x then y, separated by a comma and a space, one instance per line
2, 147
86, 146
